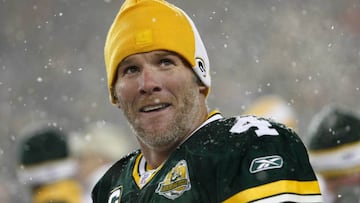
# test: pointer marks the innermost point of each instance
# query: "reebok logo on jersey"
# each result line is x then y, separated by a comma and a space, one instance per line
265, 163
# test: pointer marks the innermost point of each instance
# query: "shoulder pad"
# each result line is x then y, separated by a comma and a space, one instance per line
117, 168
237, 133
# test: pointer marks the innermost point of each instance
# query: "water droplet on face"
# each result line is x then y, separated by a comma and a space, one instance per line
121, 85
136, 121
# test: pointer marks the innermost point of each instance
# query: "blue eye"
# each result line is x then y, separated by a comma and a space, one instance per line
130, 70
166, 62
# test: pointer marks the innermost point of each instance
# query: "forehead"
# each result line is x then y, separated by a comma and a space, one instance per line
156, 53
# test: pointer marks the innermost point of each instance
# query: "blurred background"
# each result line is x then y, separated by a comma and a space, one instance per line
52, 68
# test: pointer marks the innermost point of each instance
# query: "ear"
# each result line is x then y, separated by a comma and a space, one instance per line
117, 104
115, 98
203, 89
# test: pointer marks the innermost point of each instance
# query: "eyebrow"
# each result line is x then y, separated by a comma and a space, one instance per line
124, 62
165, 53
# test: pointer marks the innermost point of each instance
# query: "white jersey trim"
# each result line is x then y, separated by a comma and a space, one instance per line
215, 117
292, 198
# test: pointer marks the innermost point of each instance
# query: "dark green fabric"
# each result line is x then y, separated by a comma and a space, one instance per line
219, 164
334, 127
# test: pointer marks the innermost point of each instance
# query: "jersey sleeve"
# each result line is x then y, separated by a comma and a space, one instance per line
105, 187
100, 192
266, 162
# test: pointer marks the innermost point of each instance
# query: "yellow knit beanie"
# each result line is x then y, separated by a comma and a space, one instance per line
148, 25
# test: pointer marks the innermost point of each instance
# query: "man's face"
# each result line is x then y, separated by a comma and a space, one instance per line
160, 97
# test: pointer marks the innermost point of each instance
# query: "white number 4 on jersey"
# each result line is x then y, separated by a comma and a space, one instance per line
245, 123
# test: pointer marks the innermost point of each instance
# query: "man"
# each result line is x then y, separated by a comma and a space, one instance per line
95, 149
158, 74
334, 150
46, 167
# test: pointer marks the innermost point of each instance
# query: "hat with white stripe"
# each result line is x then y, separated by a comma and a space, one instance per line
334, 146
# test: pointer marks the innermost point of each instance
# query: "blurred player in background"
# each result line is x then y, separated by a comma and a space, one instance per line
273, 107
46, 167
334, 150
5, 191
96, 148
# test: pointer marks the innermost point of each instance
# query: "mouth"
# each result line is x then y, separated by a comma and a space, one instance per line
154, 108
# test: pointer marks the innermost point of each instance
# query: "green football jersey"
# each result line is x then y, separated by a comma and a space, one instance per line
237, 159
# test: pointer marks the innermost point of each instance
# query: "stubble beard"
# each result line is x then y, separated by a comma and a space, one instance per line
176, 130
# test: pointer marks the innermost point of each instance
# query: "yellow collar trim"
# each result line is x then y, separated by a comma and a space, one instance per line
142, 174
213, 112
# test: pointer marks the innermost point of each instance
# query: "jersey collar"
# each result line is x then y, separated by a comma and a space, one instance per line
142, 174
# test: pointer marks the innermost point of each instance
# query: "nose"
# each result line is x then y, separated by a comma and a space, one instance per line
149, 81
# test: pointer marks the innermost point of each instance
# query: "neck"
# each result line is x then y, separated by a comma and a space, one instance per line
157, 155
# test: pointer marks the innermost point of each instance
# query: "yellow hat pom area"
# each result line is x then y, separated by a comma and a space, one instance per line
274, 107
148, 25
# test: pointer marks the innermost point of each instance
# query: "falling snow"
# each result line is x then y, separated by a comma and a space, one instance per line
53, 71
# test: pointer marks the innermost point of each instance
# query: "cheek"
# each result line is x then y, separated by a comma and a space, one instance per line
187, 82
123, 90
